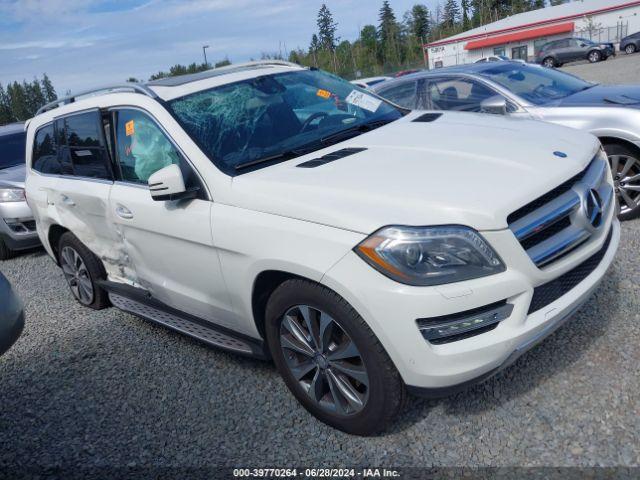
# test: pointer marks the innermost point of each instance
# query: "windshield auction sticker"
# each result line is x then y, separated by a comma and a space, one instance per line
362, 100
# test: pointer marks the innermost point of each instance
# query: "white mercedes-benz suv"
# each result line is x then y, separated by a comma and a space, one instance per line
282, 212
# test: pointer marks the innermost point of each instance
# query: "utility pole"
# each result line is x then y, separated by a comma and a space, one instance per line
204, 52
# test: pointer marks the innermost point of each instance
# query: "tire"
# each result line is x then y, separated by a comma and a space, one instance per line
549, 62
82, 269
382, 392
594, 56
5, 252
626, 162
629, 49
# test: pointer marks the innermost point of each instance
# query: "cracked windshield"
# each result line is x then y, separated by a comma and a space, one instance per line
274, 118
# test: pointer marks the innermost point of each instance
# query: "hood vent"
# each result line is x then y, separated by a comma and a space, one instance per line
330, 157
427, 117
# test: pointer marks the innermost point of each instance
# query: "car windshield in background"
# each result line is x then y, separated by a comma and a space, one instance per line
276, 117
12, 149
536, 84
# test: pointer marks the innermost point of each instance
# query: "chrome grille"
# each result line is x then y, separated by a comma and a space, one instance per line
566, 217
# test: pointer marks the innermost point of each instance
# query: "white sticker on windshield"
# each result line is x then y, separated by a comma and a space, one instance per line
362, 100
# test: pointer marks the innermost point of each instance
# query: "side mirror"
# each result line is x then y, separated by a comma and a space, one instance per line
168, 184
583, 45
496, 104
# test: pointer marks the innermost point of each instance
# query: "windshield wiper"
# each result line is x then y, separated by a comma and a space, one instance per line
316, 144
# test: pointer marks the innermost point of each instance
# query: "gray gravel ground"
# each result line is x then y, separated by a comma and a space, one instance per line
622, 69
105, 388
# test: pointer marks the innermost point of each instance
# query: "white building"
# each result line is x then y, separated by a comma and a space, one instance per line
520, 36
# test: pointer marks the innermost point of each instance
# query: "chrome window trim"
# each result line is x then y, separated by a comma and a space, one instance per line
73, 177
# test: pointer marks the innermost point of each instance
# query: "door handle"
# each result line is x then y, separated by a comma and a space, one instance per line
67, 201
124, 212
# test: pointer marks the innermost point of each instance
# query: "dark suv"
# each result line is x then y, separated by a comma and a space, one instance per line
631, 43
558, 52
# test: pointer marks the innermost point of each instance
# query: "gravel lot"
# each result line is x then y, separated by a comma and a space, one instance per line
105, 388
622, 69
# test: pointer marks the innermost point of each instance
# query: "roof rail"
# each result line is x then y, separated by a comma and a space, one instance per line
134, 87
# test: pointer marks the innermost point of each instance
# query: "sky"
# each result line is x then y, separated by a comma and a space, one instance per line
82, 44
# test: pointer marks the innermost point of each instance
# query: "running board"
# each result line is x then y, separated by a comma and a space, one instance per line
139, 303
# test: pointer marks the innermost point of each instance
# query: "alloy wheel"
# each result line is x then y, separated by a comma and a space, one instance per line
629, 49
549, 63
324, 360
77, 275
626, 179
594, 57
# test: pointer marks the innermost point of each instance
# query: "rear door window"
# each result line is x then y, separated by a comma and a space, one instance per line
458, 94
84, 145
45, 152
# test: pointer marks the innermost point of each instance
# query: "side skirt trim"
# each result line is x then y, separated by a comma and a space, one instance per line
139, 302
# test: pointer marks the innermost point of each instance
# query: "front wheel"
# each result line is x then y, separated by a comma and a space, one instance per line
594, 56
625, 168
629, 49
330, 360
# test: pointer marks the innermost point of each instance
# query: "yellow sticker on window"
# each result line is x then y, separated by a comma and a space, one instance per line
323, 93
129, 128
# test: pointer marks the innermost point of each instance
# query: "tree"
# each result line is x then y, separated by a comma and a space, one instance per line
48, 90
537, 4
222, 63
419, 24
327, 29
466, 20
6, 115
557, 2
34, 97
451, 14
389, 34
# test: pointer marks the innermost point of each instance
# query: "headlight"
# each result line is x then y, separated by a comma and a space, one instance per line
11, 195
429, 255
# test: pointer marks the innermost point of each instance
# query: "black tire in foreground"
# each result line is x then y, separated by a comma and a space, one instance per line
5, 252
331, 360
625, 168
82, 270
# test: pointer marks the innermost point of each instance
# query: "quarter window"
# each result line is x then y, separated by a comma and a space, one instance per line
45, 153
458, 94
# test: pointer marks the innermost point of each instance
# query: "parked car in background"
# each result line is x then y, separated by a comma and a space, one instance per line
322, 230
558, 52
612, 113
11, 315
369, 82
17, 226
630, 44
498, 58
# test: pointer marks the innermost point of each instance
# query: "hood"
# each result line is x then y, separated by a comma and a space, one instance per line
461, 168
13, 176
605, 95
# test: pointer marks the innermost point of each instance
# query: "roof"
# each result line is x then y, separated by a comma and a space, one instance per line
534, 18
520, 36
12, 128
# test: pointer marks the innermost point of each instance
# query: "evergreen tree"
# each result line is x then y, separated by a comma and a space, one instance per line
34, 97
466, 8
48, 90
6, 115
537, 4
451, 14
557, 2
18, 101
419, 22
327, 29
389, 34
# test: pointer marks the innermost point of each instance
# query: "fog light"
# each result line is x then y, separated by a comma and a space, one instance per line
438, 329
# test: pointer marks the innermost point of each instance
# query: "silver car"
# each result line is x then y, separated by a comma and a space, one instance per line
612, 113
17, 226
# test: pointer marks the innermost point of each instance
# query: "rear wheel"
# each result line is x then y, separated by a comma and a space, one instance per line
549, 62
625, 168
594, 56
629, 49
330, 360
82, 270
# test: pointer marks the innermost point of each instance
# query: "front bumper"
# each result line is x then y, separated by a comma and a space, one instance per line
17, 226
391, 310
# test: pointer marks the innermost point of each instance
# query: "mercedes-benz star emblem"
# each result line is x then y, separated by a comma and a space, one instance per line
593, 207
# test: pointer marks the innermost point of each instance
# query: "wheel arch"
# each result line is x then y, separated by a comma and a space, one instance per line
607, 140
53, 237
